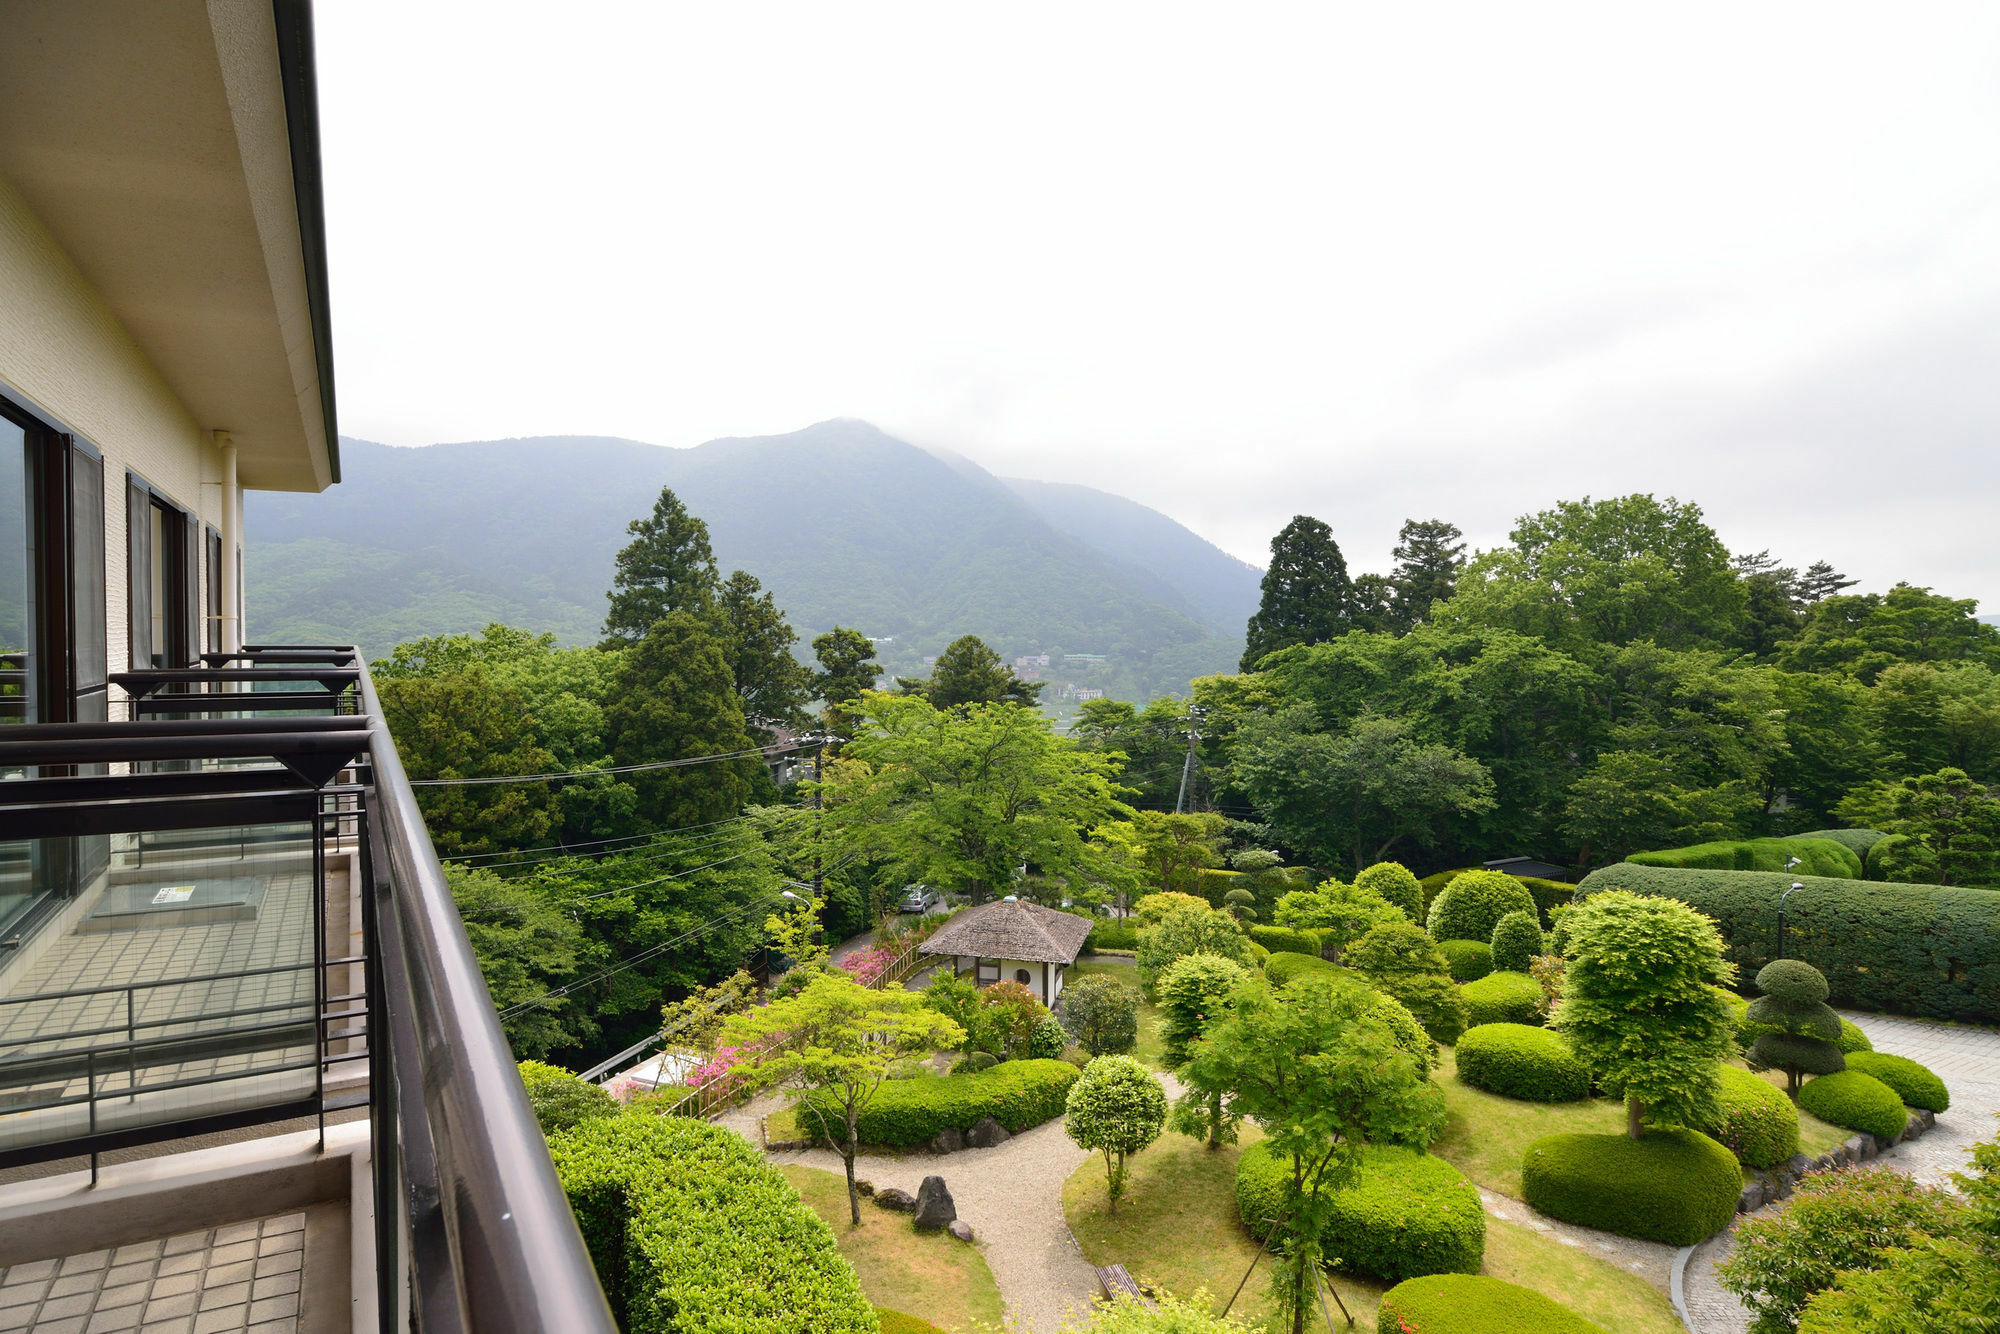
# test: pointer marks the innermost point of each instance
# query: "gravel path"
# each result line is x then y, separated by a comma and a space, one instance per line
1967, 1059
1650, 1260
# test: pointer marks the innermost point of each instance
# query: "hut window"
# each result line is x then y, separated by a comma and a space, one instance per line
1021, 976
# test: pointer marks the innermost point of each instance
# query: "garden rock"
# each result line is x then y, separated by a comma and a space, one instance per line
1798, 1165
1781, 1185
1752, 1199
934, 1206
948, 1141
900, 1200
959, 1230
864, 1187
986, 1133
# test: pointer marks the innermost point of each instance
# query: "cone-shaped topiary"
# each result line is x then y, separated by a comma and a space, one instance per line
1517, 938
1794, 1000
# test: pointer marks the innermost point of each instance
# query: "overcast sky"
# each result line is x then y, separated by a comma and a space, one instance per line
1236, 262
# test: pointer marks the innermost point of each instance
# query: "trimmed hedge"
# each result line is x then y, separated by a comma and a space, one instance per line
908, 1113
1858, 1101
1913, 1083
1112, 935
1406, 1214
1856, 841
1473, 904
1519, 1061
1517, 940
1672, 1186
1474, 1304
1547, 893
1283, 968
1851, 1038
1285, 940
1923, 950
561, 1100
1502, 998
1757, 1123
1394, 882
1817, 856
690, 1232
1469, 960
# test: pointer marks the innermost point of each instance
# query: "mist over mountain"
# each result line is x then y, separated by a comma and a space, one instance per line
844, 523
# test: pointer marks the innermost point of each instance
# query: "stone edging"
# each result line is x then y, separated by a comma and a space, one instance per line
1677, 1284
1776, 1184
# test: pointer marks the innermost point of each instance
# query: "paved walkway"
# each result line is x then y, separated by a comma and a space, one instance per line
1967, 1059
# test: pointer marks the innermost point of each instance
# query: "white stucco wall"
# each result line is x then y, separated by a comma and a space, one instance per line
64, 356
1039, 974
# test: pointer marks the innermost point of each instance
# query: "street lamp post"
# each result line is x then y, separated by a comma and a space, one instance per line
1796, 886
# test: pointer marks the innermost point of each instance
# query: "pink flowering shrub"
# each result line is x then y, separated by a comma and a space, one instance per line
868, 965
719, 1071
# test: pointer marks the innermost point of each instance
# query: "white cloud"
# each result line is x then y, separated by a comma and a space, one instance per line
1368, 262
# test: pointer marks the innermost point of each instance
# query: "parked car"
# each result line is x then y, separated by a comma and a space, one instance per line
920, 899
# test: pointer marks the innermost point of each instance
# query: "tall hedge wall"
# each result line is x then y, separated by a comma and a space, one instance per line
1924, 950
1817, 856
909, 1113
691, 1233
1856, 841
1547, 893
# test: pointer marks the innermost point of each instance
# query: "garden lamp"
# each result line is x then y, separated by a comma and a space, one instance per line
1796, 885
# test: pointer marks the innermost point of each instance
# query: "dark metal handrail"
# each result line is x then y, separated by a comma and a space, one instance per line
520, 1262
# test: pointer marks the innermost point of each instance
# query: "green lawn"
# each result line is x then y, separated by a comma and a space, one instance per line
1149, 1047
923, 1274
1177, 1228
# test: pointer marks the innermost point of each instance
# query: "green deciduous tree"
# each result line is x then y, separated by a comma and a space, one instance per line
843, 1040
1100, 1014
667, 567
1401, 960
1307, 595
1629, 801
757, 643
1339, 912
463, 724
1861, 635
527, 946
1320, 1071
1168, 852
1184, 929
1116, 1108
1152, 739
1353, 796
676, 699
964, 797
1193, 993
1641, 1005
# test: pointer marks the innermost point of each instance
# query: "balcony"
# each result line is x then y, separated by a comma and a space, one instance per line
250, 1076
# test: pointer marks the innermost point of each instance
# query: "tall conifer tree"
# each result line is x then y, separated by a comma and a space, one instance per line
668, 566
1307, 593
1429, 556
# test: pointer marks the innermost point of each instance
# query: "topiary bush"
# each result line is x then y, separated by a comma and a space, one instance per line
908, 1113
1913, 1083
1858, 1101
1406, 1214
1282, 968
1184, 929
1112, 935
1817, 856
1100, 1013
1802, 1027
560, 1100
1473, 904
1671, 1186
689, 1229
1468, 960
1396, 883
974, 1062
1924, 950
1856, 841
1756, 1121
1520, 1061
1286, 940
1517, 940
1400, 960
1852, 1039
1473, 1304
1502, 998
1548, 894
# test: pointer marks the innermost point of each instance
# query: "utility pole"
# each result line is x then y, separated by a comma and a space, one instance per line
1195, 712
819, 752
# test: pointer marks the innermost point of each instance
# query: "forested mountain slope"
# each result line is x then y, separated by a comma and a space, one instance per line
845, 524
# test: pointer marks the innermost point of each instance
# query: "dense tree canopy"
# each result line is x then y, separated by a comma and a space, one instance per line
676, 698
968, 672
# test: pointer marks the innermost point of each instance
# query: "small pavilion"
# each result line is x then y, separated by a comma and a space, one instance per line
1011, 941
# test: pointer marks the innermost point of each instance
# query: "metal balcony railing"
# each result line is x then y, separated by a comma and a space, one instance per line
171, 970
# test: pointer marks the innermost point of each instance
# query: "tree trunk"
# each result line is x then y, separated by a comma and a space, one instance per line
1635, 1118
1215, 1120
847, 1154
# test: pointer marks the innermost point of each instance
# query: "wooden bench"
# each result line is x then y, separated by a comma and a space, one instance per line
1115, 1281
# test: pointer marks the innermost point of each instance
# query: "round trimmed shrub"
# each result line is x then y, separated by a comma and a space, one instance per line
1406, 1214
1520, 1061
1856, 841
1757, 1122
1469, 960
1472, 905
1474, 1304
560, 1100
1396, 883
1283, 968
1672, 1186
1502, 998
1913, 1083
1858, 1101
1517, 938
898, 1322
1852, 1039
1286, 940
973, 1063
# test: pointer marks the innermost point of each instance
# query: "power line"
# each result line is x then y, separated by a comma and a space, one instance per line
660, 880
764, 751
645, 852
593, 842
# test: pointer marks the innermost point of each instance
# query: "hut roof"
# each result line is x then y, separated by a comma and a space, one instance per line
1008, 929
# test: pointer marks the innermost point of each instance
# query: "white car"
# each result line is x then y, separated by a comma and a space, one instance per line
920, 899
